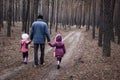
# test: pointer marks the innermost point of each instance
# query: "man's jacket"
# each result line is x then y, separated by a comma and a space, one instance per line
39, 32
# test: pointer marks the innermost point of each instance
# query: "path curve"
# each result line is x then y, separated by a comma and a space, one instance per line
71, 42
8, 73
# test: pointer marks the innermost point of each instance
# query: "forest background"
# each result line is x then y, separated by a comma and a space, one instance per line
100, 17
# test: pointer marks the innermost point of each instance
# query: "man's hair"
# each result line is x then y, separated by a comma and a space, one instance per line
40, 16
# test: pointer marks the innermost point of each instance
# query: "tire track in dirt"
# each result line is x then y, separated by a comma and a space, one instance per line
71, 44
8, 73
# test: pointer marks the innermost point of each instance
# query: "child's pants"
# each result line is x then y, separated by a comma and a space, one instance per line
59, 59
25, 56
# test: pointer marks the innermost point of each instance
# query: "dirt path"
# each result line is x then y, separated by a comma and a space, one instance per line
71, 43
83, 60
8, 73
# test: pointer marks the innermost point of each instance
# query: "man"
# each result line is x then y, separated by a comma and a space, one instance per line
39, 33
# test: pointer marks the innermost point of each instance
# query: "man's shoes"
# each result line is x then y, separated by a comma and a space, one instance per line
42, 64
35, 66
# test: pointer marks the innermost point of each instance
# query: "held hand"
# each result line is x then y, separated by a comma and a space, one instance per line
48, 42
30, 41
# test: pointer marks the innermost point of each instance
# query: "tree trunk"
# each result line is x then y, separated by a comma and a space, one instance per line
32, 12
9, 19
108, 16
100, 38
36, 8
13, 13
94, 18
24, 16
112, 15
1, 14
118, 22
80, 15
56, 15
28, 16
83, 13
52, 13
16, 9
106, 40
49, 12
88, 18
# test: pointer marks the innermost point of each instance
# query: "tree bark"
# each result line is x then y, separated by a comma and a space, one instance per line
108, 22
9, 19
94, 18
100, 38
1, 14
24, 16
118, 22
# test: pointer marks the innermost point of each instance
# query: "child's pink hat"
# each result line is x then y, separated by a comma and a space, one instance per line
25, 36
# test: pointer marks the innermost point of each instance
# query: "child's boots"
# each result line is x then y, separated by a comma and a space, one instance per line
58, 64
25, 60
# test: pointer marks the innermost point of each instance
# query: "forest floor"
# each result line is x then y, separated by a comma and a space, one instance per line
83, 59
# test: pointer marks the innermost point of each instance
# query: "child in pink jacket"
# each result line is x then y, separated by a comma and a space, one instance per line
60, 49
24, 47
